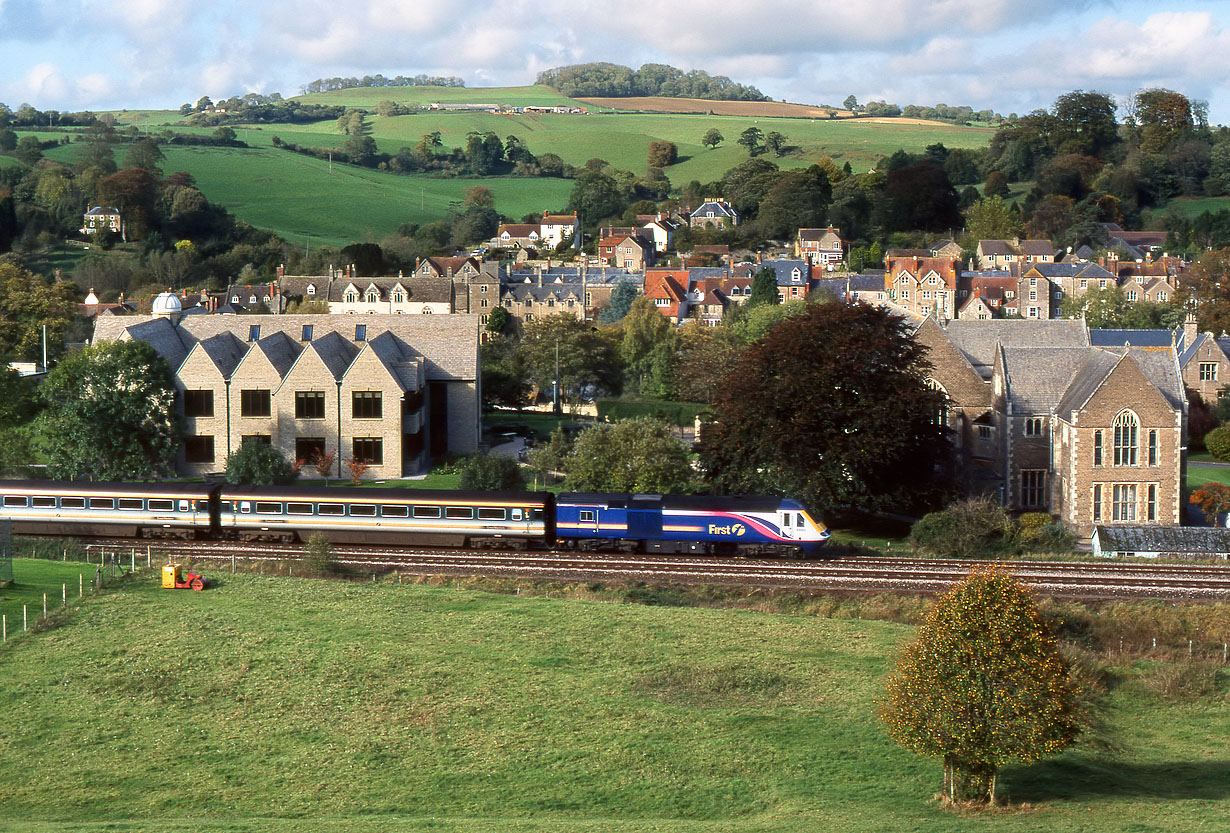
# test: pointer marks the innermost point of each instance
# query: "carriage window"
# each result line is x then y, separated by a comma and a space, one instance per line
298, 509
155, 504
245, 507
485, 514
11, 500
265, 507
587, 516
331, 509
363, 510
459, 513
131, 503
516, 515
44, 502
395, 511
536, 514
427, 511
201, 505
102, 503
183, 506
74, 503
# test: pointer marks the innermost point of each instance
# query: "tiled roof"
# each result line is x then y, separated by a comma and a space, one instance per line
225, 350
995, 247
1037, 248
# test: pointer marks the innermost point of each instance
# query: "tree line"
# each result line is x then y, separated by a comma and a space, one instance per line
616, 81
321, 85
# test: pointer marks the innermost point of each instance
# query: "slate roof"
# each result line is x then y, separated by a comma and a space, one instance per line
720, 208
977, 339
1038, 377
1137, 338
335, 352
1178, 539
995, 247
572, 275
1086, 381
1070, 270
784, 270
225, 350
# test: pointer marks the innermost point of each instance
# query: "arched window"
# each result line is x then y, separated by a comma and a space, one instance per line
351, 297
1127, 427
372, 296
941, 416
398, 298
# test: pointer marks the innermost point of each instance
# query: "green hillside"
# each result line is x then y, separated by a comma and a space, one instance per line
272, 704
368, 97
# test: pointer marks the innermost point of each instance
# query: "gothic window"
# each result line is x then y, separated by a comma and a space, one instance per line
1126, 429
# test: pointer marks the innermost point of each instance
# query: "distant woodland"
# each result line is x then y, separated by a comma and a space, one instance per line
613, 80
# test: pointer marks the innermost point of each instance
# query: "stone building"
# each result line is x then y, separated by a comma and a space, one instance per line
390, 390
1048, 419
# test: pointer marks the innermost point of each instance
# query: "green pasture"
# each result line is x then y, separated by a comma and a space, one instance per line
299, 198
1198, 475
1192, 207
276, 704
32, 577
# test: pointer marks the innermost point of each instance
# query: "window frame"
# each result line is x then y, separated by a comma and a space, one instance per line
255, 403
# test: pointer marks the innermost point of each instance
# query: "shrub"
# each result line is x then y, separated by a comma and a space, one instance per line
1217, 442
258, 464
318, 558
491, 473
976, 526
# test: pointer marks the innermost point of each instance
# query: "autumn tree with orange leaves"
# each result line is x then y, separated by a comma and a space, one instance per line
982, 685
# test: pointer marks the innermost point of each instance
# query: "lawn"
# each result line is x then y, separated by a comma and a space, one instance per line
1198, 474
32, 577
274, 704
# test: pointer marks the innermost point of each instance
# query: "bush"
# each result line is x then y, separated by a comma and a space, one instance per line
258, 464
318, 558
491, 473
973, 527
1217, 442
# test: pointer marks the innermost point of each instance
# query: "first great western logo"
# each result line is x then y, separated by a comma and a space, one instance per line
736, 530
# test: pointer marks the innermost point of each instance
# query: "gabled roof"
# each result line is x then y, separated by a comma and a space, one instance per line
1137, 338
719, 207
519, 229
978, 339
995, 247
1036, 248
335, 353
1039, 377
1069, 270
225, 350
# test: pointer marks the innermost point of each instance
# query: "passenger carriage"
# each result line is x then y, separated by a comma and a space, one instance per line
129, 510
385, 516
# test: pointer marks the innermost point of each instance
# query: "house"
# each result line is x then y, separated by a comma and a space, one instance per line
593, 286
996, 289
391, 296
1204, 362
625, 251
1048, 419
102, 218
920, 284
668, 289
819, 247
556, 228
517, 235
978, 308
945, 248
390, 390
659, 231
997, 254
714, 213
1187, 542
793, 278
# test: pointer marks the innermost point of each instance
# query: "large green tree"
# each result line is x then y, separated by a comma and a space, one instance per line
983, 684
648, 349
831, 406
110, 414
635, 455
28, 303
587, 359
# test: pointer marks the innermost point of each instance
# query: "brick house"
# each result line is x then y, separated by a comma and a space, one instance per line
1048, 419
920, 284
393, 390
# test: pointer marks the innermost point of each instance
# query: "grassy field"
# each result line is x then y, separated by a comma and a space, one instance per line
1198, 474
32, 577
297, 197
278, 704
369, 97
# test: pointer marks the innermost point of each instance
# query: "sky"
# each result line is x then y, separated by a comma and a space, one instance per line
1006, 55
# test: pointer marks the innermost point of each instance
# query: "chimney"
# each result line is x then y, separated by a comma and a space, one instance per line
1190, 330
538, 269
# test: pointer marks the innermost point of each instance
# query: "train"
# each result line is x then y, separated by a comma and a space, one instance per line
590, 521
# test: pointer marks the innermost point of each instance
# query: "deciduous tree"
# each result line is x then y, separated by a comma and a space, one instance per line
983, 684
712, 138
110, 414
753, 139
662, 154
635, 455
491, 473
831, 406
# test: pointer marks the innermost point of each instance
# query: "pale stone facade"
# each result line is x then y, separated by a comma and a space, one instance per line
390, 390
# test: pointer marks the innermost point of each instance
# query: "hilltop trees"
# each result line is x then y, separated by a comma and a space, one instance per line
712, 138
983, 684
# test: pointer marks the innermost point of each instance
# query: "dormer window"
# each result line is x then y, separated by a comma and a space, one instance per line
252, 299
352, 297
398, 297
234, 299
311, 289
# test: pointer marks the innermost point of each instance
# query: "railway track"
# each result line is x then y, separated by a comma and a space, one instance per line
1088, 580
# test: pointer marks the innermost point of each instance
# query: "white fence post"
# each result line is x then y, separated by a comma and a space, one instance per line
64, 595
44, 605
25, 619
4, 626
80, 585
